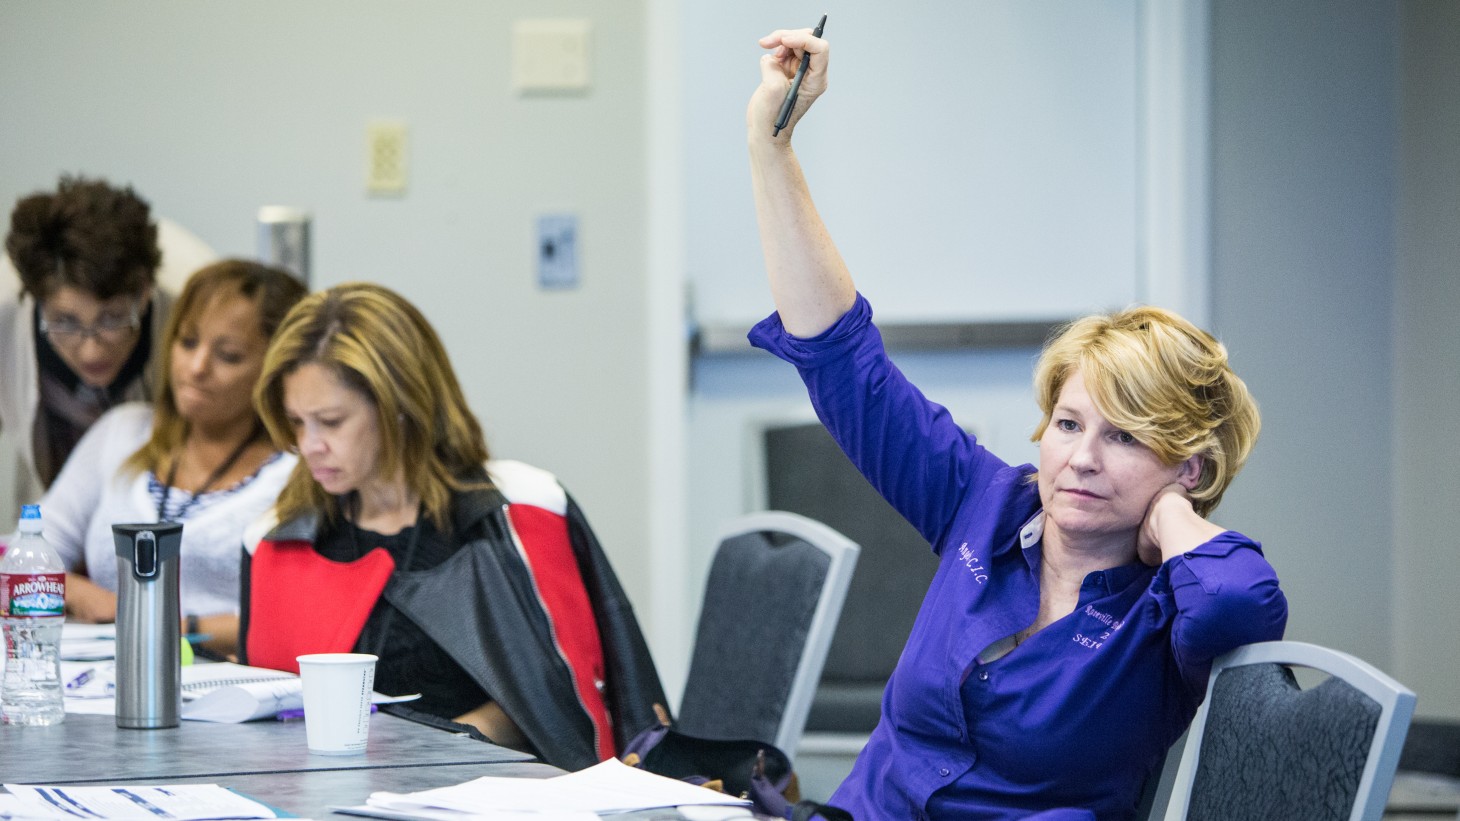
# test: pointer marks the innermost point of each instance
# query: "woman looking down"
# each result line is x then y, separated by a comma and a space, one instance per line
476, 582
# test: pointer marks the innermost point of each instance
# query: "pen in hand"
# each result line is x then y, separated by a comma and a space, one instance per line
790, 101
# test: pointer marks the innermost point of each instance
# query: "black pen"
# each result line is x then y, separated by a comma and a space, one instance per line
790, 102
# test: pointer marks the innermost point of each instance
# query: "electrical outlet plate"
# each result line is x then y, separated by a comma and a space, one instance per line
557, 251
551, 56
386, 157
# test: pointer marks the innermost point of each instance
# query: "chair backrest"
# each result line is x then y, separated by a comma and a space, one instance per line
774, 593
1261, 747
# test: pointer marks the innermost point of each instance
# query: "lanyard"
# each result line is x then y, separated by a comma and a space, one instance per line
213, 477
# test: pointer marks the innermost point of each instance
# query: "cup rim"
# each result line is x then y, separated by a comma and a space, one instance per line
336, 658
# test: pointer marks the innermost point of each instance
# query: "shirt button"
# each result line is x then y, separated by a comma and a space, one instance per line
943, 771
983, 675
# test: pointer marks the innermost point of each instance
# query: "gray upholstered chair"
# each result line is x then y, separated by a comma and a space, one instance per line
774, 593
1261, 747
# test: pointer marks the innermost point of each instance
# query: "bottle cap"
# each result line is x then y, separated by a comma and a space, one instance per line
30, 519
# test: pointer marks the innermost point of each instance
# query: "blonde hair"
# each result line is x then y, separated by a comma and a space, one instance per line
379, 344
273, 292
1161, 379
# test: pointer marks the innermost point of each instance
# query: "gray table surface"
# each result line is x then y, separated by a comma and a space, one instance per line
90, 748
265, 760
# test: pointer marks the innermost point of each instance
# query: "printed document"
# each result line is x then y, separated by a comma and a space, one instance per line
607, 787
190, 802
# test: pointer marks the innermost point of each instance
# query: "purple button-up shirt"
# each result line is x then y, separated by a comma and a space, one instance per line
1074, 720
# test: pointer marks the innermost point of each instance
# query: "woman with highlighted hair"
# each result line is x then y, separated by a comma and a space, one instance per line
476, 582
197, 454
1066, 639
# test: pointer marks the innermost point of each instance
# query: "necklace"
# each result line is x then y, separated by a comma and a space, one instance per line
213, 477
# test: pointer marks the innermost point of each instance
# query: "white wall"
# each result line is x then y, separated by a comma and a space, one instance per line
1303, 192
213, 109
995, 175
1427, 358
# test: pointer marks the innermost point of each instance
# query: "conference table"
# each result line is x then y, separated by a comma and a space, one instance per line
266, 760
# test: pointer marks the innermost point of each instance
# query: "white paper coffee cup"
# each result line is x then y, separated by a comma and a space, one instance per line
337, 689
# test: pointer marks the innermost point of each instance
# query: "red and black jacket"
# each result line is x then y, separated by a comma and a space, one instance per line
528, 606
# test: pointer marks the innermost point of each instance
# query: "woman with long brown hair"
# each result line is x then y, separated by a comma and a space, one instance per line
477, 582
197, 455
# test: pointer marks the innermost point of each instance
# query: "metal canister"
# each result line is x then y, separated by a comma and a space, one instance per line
149, 661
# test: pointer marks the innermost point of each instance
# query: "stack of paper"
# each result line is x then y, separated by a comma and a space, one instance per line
175, 803
88, 642
608, 787
210, 692
220, 692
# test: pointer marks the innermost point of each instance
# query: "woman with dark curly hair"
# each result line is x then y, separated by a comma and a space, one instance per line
78, 336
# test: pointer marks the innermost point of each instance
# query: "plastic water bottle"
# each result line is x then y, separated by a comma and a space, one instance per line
32, 607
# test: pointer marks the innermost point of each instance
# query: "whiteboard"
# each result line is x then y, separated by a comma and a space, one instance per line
974, 161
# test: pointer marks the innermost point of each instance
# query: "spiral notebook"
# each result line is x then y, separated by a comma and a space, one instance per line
231, 693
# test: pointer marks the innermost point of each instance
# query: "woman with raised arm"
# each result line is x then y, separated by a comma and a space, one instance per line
1065, 641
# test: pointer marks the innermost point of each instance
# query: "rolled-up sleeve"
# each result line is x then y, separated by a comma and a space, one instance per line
908, 447
1225, 594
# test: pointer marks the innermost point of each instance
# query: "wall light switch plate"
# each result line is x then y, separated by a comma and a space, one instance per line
551, 56
386, 157
557, 252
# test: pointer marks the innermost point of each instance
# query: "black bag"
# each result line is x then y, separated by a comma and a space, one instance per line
742, 767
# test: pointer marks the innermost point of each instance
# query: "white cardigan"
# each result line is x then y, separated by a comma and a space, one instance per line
90, 495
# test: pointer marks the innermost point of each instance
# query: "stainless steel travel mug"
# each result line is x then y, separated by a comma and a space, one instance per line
148, 632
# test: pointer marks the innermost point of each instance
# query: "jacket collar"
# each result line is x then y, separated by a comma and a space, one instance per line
469, 508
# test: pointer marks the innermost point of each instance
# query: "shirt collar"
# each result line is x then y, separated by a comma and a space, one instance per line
1032, 531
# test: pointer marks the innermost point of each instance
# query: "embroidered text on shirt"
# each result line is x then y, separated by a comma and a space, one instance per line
1093, 642
970, 561
1104, 618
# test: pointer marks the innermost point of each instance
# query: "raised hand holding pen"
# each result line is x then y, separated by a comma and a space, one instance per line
793, 75
809, 281
790, 102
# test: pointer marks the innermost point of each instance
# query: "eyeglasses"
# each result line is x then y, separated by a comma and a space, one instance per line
108, 330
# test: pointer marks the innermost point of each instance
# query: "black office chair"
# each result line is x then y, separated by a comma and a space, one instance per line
1261, 747
774, 592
